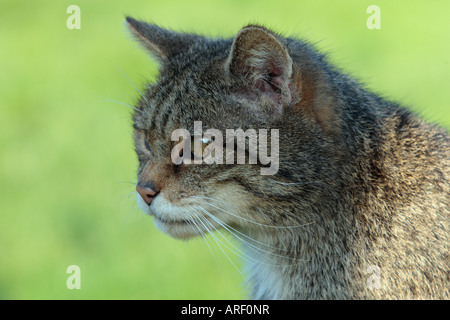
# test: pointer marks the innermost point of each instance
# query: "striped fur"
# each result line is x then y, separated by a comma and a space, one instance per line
363, 183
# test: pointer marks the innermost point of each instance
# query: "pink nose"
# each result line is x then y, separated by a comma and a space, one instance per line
146, 193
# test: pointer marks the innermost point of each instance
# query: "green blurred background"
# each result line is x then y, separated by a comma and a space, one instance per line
67, 166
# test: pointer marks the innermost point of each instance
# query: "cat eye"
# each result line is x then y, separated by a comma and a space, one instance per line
198, 152
194, 149
147, 145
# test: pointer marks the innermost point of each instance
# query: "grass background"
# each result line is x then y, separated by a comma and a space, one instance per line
67, 166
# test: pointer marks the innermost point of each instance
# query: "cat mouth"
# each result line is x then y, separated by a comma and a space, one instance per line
183, 228
171, 222
181, 222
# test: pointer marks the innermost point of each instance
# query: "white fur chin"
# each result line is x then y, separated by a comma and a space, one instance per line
172, 215
176, 230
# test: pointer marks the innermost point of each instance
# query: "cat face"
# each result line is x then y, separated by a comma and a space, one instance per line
188, 199
246, 83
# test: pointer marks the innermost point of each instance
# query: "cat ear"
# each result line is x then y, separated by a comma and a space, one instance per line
162, 43
260, 58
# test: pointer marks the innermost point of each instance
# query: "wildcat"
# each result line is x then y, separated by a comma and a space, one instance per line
359, 206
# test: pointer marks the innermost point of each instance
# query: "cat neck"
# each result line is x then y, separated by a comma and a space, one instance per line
300, 262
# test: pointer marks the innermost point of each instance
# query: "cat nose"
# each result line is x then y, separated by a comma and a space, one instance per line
147, 192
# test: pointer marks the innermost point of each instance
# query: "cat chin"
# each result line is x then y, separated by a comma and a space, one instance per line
179, 230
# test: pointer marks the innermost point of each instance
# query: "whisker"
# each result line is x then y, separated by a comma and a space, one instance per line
131, 195
188, 220
244, 255
191, 222
119, 102
133, 182
132, 83
191, 218
254, 222
218, 243
322, 184
253, 247
233, 231
237, 251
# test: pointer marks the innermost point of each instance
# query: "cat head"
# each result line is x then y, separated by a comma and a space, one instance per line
256, 81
